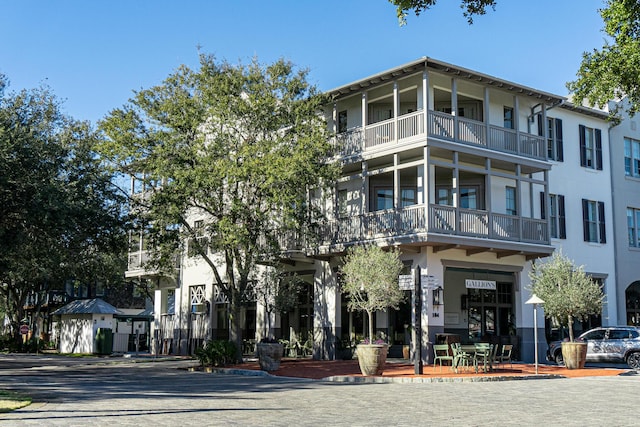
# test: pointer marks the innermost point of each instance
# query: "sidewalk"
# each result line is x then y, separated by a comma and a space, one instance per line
398, 370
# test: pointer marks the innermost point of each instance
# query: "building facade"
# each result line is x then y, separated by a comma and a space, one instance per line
471, 177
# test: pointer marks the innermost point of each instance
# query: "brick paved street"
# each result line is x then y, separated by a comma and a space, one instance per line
160, 394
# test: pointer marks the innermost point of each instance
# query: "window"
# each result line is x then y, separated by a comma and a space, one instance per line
384, 199
590, 148
508, 118
555, 150
469, 197
510, 193
445, 197
408, 197
633, 225
593, 221
198, 300
556, 215
342, 121
632, 157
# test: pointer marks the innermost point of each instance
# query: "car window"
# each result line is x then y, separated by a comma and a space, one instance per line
594, 335
618, 334
634, 334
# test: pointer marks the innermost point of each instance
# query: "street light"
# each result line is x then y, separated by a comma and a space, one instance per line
535, 300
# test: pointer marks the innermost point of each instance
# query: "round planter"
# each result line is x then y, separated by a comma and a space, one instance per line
371, 358
574, 354
269, 355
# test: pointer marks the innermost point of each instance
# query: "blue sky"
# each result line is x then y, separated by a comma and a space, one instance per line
95, 53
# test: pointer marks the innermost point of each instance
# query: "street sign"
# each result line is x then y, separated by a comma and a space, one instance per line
24, 329
428, 282
405, 282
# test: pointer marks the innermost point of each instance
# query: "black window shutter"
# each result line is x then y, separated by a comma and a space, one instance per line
540, 126
585, 219
562, 233
559, 147
603, 230
598, 135
543, 206
583, 148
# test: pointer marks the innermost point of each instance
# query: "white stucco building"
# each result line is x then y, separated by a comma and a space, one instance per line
471, 177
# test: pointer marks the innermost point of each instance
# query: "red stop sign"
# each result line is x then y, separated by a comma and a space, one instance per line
24, 329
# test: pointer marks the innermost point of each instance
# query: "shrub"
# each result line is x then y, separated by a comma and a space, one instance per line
216, 353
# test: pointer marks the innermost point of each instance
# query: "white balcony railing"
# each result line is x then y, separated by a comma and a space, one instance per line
443, 126
436, 219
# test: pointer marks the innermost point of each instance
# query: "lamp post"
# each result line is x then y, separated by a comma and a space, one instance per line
535, 300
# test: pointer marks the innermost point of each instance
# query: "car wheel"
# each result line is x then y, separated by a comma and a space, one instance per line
558, 358
633, 360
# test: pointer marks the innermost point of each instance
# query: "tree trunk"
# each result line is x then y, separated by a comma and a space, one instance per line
570, 318
370, 313
235, 327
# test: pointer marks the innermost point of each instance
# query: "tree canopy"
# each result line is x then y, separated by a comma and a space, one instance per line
370, 280
606, 74
239, 148
60, 216
470, 8
568, 292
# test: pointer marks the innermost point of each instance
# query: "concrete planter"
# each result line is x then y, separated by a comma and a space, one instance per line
269, 355
371, 358
574, 354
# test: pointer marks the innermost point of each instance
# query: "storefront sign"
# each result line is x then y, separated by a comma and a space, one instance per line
480, 284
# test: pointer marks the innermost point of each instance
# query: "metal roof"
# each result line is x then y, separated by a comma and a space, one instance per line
445, 68
87, 306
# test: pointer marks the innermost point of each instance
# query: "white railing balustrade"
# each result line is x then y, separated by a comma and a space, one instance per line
534, 230
472, 132
505, 227
440, 125
503, 139
379, 133
349, 142
411, 124
442, 218
474, 222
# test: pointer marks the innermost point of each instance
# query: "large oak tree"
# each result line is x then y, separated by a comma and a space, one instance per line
237, 147
60, 215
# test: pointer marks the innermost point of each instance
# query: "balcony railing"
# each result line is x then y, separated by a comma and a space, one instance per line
437, 219
443, 126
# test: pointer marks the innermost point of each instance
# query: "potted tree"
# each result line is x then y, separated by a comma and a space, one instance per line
370, 281
569, 294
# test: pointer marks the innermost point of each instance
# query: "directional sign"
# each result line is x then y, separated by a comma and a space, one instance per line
405, 282
428, 282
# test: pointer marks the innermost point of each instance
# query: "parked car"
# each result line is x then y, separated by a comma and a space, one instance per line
606, 344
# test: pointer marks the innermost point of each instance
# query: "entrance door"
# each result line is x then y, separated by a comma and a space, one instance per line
490, 311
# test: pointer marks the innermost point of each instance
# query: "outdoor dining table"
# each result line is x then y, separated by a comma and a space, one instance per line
479, 352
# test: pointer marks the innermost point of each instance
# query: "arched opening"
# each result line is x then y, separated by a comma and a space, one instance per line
632, 298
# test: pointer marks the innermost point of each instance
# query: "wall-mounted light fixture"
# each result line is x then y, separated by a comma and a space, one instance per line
437, 296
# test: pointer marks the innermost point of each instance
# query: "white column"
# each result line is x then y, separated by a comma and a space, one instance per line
326, 311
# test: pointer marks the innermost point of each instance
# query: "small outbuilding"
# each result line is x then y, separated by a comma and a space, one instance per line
83, 325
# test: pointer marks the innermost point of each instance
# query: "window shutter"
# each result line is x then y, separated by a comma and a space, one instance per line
583, 148
585, 219
543, 206
562, 233
559, 147
598, 135
540, 126
603, 231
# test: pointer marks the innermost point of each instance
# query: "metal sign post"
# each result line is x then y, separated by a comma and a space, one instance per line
417, 307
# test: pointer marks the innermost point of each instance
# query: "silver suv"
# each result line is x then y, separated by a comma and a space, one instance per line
606, 344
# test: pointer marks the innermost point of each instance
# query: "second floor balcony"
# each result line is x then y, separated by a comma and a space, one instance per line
422, 225
414, 126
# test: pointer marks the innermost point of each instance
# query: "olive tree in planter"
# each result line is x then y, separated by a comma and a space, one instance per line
370, 281
569, 294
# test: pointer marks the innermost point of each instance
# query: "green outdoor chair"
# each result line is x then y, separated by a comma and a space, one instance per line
440, 353
505, 356
460, 357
